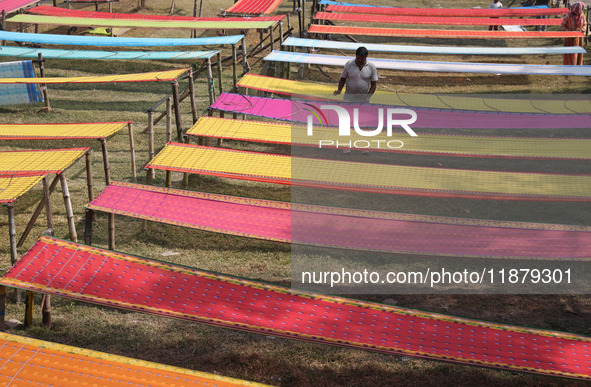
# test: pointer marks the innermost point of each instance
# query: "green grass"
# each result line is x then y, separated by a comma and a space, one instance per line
262, 358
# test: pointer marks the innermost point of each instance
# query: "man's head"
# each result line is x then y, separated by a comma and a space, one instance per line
361, 56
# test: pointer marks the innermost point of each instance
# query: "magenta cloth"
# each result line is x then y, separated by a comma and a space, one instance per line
13, 5
344, 228
298, 111
105, 277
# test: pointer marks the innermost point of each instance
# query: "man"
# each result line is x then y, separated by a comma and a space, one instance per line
360, 76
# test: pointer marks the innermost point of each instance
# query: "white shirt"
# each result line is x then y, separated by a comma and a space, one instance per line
496, 5
358, 81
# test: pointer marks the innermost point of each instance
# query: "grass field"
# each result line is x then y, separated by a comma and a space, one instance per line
260, 358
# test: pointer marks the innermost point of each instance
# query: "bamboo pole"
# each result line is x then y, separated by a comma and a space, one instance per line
234, 72
43, 86
107, 165
132, 149
271, 37
29, 304
245, 66
148, 182
303, 32
168, 178
12, 233
36, 214
46, 309
219, 58
46, 300
68, 203
192, 91
169, 119
2, 306
48, 212
177, 110
210, 85
89, 179
150, 139
111, 228
89, 217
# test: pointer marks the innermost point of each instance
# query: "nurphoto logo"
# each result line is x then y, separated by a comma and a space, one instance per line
388, 118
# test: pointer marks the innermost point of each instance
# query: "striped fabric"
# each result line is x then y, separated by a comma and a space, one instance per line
35, 162
332, 2
18, 94
442, 21
14, 5
416, 33
177, 24
63, 12
30, 361
99, 41
298, 111
450, 12
155, 76
120, 280
368, 177
453, 145
60, 131
49, 53
439, 50
445, 67
254, 7
345, 228
14, 186
438, 101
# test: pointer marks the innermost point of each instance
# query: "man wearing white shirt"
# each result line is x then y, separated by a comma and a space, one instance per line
360, 76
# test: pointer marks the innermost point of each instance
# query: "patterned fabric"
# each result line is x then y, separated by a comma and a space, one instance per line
25, 360
17, 94
370, 177
115, 279
343, 227
298, 111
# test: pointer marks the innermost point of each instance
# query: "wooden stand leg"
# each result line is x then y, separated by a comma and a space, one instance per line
43, 86
177, 110
89, 179
29, 304
88, 219
219, 59
132, 149
111, 228
192, 92
48, 212
107, 166
210, 84
2, 306
234, 72
12, 233
168, 178
36, 214
151, 139
46, 311
68, 204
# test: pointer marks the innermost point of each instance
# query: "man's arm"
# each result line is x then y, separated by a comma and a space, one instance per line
341, 85
372, 89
